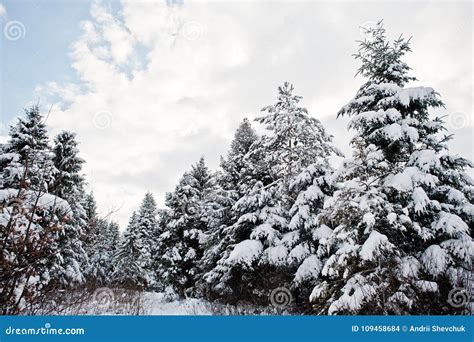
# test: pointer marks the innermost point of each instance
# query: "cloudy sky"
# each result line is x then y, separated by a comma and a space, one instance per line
150, 86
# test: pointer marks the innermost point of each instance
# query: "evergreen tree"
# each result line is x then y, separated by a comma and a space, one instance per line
113, 238
132, 258
93, 239
149, 228
69, 185
31, 219
28, 154
91, 229
403, 215
236, 171
102, 260
242, 272
68, 182
113, 242
135, 257
234, 166
260, 239
312, 188
181, 244
297, 140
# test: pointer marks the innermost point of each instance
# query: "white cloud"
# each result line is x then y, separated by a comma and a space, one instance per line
174, 81
3, 11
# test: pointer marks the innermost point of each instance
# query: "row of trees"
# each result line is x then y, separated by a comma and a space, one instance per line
388, 232
51, 236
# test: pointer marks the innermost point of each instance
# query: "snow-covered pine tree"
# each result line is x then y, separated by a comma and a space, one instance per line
297, 140
181, 245
310, 190
147, 224
138, 248
232, 179
69, 185
113, 237
235, 164
261, 239
132, 258
30, 224
91, 229
402, 215
68, 181
102, 260
31, 219
91, 237
112, 244
28, 153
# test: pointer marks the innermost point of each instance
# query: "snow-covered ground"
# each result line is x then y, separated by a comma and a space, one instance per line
156, 304
105, 301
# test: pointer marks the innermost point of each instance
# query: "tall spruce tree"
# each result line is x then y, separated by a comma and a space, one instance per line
92, 236
32, 219
137, 252
310, 190
147, 224
236, 171
260, 239
103, 260
28, 156
403, 213
113, 237
297, 139
69, 185
132, 258
181, 245
235, 164
92, 219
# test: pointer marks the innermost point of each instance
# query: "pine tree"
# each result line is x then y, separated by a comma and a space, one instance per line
102, 261
403, 215
182, 243
68, 182
131, 258
69, 185
147, 224
260, 239
30, 225
234, 166
311, 190
232, 180
91, 229
95, 268
242, 272
28, 154
31, 219
297, 140
113, 237
113, 242
136, 256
